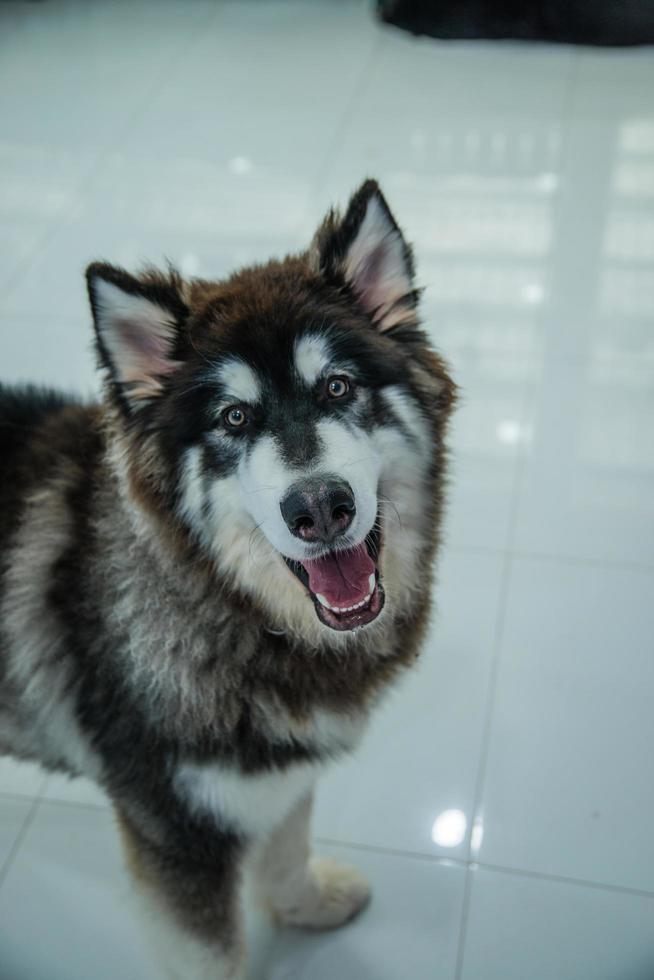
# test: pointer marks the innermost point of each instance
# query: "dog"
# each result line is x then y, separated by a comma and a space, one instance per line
209, 579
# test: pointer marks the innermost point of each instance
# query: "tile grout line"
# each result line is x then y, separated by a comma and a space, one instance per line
330, 155
611, 563
20, 837
489, 710
566, 119
17, 795
38, 798
485, 738
463, 926
394, 852
565, 880
472, 865
56, 801
509, 557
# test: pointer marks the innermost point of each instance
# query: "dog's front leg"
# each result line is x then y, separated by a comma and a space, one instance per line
189, 894
301, 890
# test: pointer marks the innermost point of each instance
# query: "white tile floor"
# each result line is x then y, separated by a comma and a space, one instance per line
502, 801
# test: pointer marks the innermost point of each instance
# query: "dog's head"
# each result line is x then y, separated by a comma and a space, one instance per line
289, 418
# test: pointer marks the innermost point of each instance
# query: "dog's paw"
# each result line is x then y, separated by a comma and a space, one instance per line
332, 895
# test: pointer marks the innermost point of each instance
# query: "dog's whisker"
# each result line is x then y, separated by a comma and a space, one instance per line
392, 504
248, 493
358, 460
251, 535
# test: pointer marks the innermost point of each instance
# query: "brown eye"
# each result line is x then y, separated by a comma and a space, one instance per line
234, 418
337, 387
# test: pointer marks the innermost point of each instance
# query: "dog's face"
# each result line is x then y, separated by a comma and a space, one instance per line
290, 416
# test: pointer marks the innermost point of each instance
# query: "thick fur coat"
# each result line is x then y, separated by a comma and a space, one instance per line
209, 579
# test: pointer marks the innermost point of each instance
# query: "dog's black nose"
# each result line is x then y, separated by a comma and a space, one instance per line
318, 509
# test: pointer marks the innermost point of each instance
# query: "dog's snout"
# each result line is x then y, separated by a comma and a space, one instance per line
318, 510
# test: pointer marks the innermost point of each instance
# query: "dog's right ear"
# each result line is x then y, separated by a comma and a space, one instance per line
137, 328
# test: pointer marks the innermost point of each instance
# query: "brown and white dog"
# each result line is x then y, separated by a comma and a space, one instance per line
208, 580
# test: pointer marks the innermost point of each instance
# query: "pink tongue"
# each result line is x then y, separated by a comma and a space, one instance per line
342, 577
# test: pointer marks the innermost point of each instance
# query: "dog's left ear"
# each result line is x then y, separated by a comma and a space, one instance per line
137, 326
366, 250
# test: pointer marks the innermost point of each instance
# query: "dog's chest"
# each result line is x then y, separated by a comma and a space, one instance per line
255, 803
248, 803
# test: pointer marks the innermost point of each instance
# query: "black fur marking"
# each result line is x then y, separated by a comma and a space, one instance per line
385, 416
22, 411
194, 865
288, 411
219, 460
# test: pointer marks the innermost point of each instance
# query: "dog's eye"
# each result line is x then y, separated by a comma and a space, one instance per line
234, 418
337, 387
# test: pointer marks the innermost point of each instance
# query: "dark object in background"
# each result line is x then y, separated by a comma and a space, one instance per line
603, 22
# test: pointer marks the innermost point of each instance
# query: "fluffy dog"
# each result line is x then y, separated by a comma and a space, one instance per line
209, 579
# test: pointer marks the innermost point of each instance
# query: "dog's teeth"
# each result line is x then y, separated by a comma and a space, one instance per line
343, 609
371, 583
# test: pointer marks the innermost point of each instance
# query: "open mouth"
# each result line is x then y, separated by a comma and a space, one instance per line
345, 586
